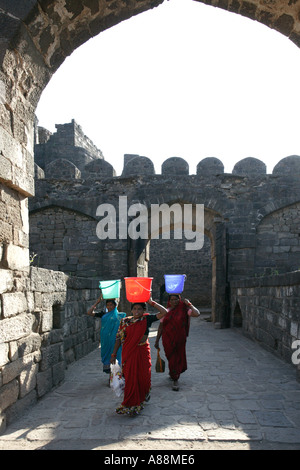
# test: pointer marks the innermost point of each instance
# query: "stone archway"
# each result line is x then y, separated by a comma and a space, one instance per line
170, 256
38, 36
36, 39
277, 235
214, 229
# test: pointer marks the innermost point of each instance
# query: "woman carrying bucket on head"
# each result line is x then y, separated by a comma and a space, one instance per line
174, 328
110, 321
133, 337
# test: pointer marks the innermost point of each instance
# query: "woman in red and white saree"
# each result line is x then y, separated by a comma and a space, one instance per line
174, 329
136, 358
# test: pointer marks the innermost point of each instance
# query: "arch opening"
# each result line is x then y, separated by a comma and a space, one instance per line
237, 316
205, 268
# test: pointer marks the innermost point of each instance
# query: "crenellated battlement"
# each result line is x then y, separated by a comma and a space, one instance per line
258, 212
70, 154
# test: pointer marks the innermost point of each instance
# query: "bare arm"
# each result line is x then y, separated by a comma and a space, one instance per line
195, 311
159, 333
161, 309
91, 311
114, 353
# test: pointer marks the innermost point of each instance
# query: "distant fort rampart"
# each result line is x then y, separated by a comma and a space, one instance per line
70, 153
252, 230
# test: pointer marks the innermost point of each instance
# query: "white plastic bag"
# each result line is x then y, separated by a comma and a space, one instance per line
117, 381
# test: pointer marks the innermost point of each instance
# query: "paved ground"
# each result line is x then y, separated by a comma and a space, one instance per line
234, 395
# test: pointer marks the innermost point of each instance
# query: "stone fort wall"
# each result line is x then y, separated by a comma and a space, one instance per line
268, 308
43, 321
44, 328
259, 214
36, 37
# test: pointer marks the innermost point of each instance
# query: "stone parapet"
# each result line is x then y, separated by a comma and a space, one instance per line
267, 309
43, 328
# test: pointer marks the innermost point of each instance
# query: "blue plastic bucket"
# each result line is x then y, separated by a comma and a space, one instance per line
174, 283
110, 289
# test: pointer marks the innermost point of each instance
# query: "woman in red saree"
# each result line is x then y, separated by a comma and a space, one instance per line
174, 329
136, 358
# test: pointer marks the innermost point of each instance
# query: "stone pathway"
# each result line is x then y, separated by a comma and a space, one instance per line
234, 395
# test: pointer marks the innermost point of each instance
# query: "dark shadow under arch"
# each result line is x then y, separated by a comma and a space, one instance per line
237, 316
215, 229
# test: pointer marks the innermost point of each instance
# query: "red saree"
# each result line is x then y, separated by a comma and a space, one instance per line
174, 335
136, 365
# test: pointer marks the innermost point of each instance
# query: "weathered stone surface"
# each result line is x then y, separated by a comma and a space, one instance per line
61, 169
44, 382
14, 167
50, 356
58, 372
29, 344
138, 166
13, 303
268, 311
175, 166
43, 280
15, 257
4, 354
99, 168
13, 369
6, 280
46, 321
28, 380
15, 328
9, 394
249, 167
289, 166
35, 347
210, 166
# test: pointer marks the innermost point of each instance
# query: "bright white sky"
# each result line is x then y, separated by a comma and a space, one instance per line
186, 80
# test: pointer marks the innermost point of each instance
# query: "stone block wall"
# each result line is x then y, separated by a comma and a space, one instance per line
170, 257
72, 134
268, 311
68, 143
14, 239
43, 328
259, 212
66, 241
278, 241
